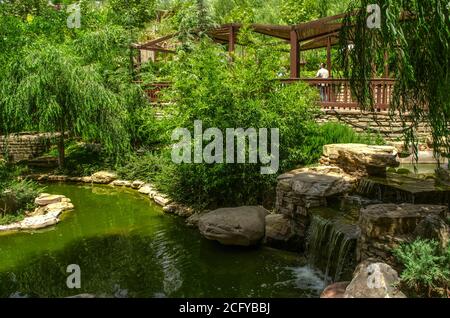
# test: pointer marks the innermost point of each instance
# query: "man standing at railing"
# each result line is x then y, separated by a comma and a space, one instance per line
325, 74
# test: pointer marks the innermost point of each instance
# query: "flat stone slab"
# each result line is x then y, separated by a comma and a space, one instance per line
241, 226
321, 181
361, 159
392, 219
45, 199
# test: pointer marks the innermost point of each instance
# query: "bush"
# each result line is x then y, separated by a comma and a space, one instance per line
143, 167
207, 87
426, 267
334, 133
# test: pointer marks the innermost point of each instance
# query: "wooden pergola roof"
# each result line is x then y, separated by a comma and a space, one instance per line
312, 34
321, 33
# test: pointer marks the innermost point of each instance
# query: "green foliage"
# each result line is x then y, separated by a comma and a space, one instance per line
426, 267
131, 13
419, 55
144, 167
207, 87
84, 159
15, 196
48, 88
334, 133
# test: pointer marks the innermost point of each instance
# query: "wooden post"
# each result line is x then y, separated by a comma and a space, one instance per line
329, 55
232, 39
386, 65
295, 55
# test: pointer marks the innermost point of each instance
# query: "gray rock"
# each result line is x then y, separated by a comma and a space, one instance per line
103, 177
374, 280
434, 228
121, 183
385, 226
360, 159
280, 232
45, 199
146, 188
242, 226
137, 184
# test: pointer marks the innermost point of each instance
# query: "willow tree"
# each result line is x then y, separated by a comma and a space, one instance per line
416, 36
49, 89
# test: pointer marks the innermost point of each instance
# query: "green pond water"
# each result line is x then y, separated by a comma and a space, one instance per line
126, 247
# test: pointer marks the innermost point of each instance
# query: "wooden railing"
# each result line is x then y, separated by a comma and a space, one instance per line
153, 90
336, 93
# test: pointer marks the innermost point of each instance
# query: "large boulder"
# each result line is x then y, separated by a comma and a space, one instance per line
243, 226
385, 226
103, 177
360, 159
374, 280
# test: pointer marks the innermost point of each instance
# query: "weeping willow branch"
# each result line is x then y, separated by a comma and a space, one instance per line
416, 35
49, 89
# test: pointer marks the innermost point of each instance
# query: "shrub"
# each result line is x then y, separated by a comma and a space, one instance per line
426, 267
207, 87
334, 133
142, 167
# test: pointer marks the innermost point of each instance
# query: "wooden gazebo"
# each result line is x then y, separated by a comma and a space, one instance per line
319, 34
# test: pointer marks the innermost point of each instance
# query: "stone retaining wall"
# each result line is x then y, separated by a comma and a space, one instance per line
390, 128
24, 146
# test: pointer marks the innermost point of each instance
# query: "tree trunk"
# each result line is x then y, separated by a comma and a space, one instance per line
61, 154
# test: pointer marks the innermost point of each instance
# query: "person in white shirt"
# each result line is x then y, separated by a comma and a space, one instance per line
323, 73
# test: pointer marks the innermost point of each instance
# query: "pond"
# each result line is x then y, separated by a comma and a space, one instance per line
127, 247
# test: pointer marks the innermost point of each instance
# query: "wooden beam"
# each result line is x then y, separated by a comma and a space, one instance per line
329, 55
231, 39
295, 55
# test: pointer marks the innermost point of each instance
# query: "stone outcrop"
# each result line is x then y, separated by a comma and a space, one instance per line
103, 177
360, 159
385, 226
374, 280
242, 226
300, 190
281, 232
434, 227
47, 214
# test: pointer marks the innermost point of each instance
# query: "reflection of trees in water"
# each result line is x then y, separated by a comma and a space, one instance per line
110, 266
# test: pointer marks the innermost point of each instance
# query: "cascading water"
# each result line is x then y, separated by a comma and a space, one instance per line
331, 246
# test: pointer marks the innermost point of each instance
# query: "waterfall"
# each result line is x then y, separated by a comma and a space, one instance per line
331, 246
369, 188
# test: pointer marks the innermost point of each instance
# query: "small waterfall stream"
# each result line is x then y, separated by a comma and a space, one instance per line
331, 246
